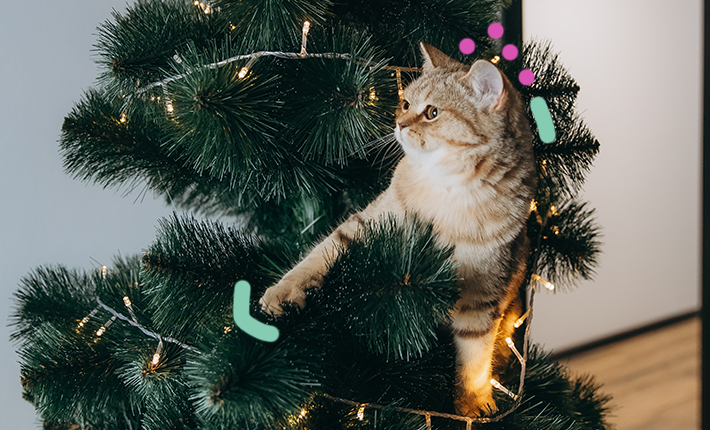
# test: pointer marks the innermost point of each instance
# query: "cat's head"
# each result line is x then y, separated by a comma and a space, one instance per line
455, 110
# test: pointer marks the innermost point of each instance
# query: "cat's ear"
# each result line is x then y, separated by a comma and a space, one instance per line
434, 58
487, 84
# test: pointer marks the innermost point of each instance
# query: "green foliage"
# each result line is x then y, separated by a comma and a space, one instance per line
136, 47
399, 25
567, 247
246, 384
200, 262
382, 281
562, 164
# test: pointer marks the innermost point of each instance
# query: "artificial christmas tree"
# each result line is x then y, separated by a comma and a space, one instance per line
280, 115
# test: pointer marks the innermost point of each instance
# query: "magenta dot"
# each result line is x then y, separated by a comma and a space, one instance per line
467, 46
510, 52
526, 77
495, 30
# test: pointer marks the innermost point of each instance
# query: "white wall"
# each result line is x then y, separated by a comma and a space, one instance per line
45, 216
638, 63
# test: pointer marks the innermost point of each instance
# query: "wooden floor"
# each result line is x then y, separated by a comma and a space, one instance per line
653, 378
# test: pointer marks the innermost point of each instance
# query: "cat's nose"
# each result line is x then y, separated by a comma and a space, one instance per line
402, 125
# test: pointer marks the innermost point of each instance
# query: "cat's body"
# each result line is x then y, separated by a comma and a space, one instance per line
469, 170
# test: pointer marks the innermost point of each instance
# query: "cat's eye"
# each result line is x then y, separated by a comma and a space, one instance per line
405, 105
431, 112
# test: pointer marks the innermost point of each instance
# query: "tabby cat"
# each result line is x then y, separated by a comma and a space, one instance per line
469, 170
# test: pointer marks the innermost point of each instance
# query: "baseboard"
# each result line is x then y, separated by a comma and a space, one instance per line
624, 335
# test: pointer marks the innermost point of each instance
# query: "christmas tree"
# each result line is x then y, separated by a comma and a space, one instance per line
279, 115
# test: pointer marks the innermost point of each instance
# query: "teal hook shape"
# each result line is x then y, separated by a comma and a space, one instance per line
244, 320
545, 127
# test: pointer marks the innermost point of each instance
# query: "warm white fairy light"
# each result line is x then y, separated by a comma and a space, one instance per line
243, 72
156, 356
361, 413
123, 117
522, 319
304, 36
500, 387
104, 271
105, 327
546, 284
302, 415
373, 94
495, 59
87, 318
127, 301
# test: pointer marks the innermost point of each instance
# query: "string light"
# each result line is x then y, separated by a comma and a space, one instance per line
361, 412
495, 59
104, 271
546, 284
105, 327
373, 94
500, 387
87, 318
522, 319
302, 415
123, 117
243, 72
156, 356
533, 205
304, 36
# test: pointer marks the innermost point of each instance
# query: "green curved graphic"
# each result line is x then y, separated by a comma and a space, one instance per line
244, 320
545, 127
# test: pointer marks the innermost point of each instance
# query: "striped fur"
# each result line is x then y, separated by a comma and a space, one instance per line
470, 171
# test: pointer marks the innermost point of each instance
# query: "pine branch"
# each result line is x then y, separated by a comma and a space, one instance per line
201, 262
568, 246
377, 286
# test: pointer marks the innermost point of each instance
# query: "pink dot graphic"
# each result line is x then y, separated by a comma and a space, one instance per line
495, 30
526, 77
467, 46
510, 52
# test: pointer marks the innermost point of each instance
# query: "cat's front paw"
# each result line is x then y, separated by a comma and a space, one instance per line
281, 293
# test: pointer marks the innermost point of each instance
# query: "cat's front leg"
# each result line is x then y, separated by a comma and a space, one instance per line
309, 273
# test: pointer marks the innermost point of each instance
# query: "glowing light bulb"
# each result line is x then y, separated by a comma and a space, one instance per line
243, 72
500, 387
495, 59
509, 341
302, 414
169, 106
546, 284
361, 412
83, 321
104, 271
127, 301
101, 331
522, 319
123, 117
306, 27
533, 206
156, 359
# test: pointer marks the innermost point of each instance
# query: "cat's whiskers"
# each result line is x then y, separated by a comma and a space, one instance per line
389, 145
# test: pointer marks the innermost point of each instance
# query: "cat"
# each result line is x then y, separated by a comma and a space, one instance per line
468, 168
